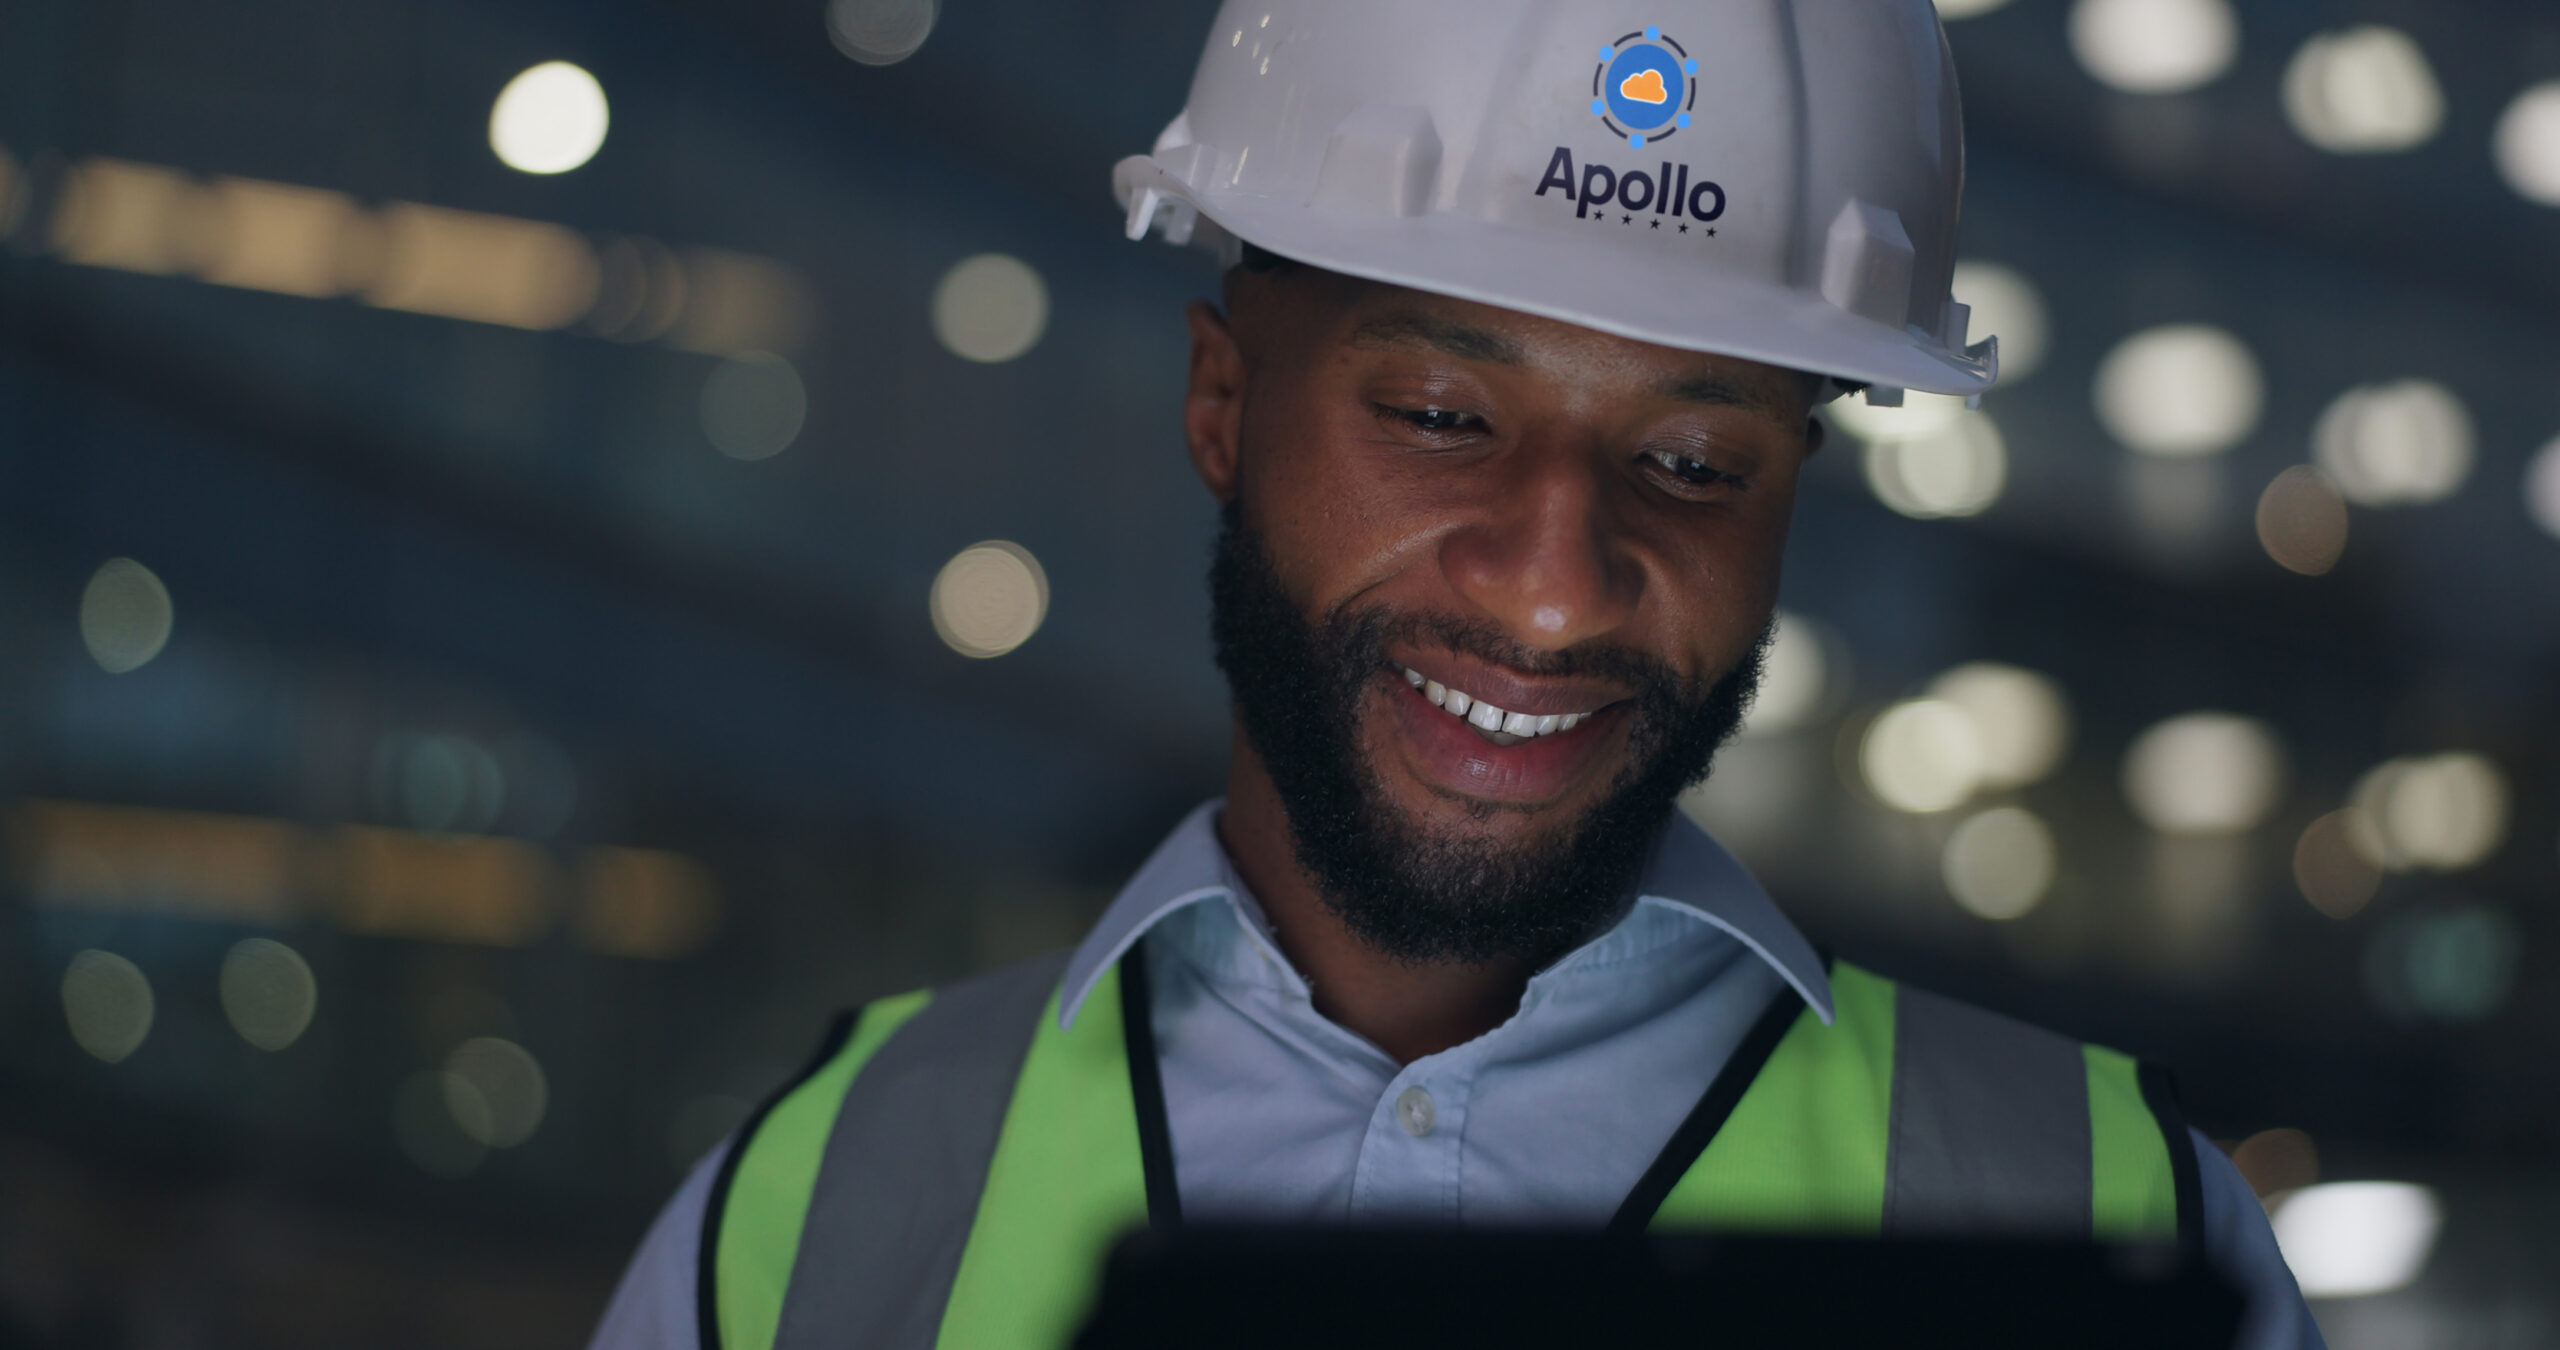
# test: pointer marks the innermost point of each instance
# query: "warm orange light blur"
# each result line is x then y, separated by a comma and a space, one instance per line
644, 902
2331, 868
2302, 521
490, 269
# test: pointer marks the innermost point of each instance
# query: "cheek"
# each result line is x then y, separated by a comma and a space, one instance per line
1334, 521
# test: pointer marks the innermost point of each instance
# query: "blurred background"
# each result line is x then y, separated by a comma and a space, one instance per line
544, 547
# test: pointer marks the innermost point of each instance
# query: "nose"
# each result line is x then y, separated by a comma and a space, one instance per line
1547, 556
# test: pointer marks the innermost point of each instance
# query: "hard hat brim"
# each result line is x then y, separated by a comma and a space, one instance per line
1520, 269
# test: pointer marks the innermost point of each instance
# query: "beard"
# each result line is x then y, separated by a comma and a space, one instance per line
1418, 894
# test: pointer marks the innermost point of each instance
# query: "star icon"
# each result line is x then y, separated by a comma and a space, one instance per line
1684, 229
1626, 220
1711, 232
1654, 224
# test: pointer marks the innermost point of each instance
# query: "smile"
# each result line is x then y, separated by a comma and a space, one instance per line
1498, 725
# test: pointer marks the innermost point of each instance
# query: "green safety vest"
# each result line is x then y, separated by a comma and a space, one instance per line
953, 1167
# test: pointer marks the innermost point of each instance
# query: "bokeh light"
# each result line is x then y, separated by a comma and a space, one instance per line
107, 1001
495, 1091
2453, 964
2021, 717
1795, 677
1955, 470
753, 406
2205, 773
2440, 812
989, 599
268, 992
2528, 144
550, 119
992, 307
2154, 46
1999, 864
880, 32
1966, 9
2180, 390
2346, 1239
1922, 756
2006, 304
2302, 521
2402, 444
2542, 488
125, 616
2363, 90
2332, 866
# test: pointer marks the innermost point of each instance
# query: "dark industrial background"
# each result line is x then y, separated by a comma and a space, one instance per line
462, 729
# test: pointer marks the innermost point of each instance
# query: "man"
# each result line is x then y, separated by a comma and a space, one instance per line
1527, 315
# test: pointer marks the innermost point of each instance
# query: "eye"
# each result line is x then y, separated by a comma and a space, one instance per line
1692, 470
1434, 421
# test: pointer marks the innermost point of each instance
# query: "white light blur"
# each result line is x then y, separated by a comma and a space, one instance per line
2441, 812
989, 599
2542, 488
992, 307
753, 406
2022, 718
125, 616
1957, 470
2155, 46
268, 992
2363, 90
107, 1001
2401, 444
550, 119
2528, 144
1922, 756
2180, 390
1795, 678
495, 1091
2205, 773
880, 32
1966, 9
1999, 864
2346, 1239
2006, 304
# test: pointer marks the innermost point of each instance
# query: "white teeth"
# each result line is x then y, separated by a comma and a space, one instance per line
1488, 718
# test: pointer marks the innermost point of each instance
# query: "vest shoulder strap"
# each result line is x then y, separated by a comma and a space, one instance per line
872, 1164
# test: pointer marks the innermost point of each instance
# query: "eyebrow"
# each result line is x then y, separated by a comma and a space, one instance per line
1717, 391
1450, 338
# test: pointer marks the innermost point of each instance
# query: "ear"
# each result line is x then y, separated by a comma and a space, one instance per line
1213, 408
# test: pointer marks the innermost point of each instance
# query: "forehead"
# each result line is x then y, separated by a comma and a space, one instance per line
1351, 316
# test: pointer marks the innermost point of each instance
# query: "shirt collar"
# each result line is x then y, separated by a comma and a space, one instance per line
1690, 874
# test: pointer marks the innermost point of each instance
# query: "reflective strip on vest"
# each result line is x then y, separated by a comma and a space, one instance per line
955, 1173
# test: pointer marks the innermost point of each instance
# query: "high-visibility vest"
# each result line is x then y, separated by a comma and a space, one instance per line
953, 1167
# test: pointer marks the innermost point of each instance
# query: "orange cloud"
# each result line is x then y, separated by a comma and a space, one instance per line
1645, 86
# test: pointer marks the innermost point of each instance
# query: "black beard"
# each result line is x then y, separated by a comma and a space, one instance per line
1419, 896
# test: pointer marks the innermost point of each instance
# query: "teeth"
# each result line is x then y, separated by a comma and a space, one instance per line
1487, 718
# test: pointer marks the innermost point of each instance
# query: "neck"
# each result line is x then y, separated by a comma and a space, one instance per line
1405, 1009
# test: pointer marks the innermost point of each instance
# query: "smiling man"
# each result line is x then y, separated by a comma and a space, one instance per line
1526, 315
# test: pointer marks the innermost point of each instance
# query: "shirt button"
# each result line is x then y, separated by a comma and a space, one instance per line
1413, 1108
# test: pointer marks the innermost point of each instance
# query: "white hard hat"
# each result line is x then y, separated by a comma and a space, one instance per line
1770, 179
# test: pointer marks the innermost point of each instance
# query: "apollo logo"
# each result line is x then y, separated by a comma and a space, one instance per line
1668, 192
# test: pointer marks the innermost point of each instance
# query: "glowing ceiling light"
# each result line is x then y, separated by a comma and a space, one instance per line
2021, 717
2366, 90
989, 599
1922, 756
2204, 773
2007, 304
992, 307
2179, 391
1955, 470
2155, 46
2528, 143
2350, 1238
550, 119
2444, 812
125, 616
2302, 521
107, 1001
881, 32
2402, 444
1999, 864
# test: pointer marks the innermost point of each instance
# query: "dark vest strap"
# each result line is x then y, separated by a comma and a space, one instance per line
898, 1185
2160, 1093
1989, 1130
706, 1276
1146, 1090
1690, 1141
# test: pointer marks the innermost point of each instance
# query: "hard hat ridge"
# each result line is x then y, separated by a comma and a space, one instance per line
1771, 179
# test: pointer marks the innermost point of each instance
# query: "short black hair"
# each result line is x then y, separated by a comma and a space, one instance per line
1256, 258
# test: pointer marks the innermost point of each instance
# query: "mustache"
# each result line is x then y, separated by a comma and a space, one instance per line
1360, 638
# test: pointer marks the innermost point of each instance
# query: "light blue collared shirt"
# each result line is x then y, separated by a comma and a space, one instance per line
1278, 1113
